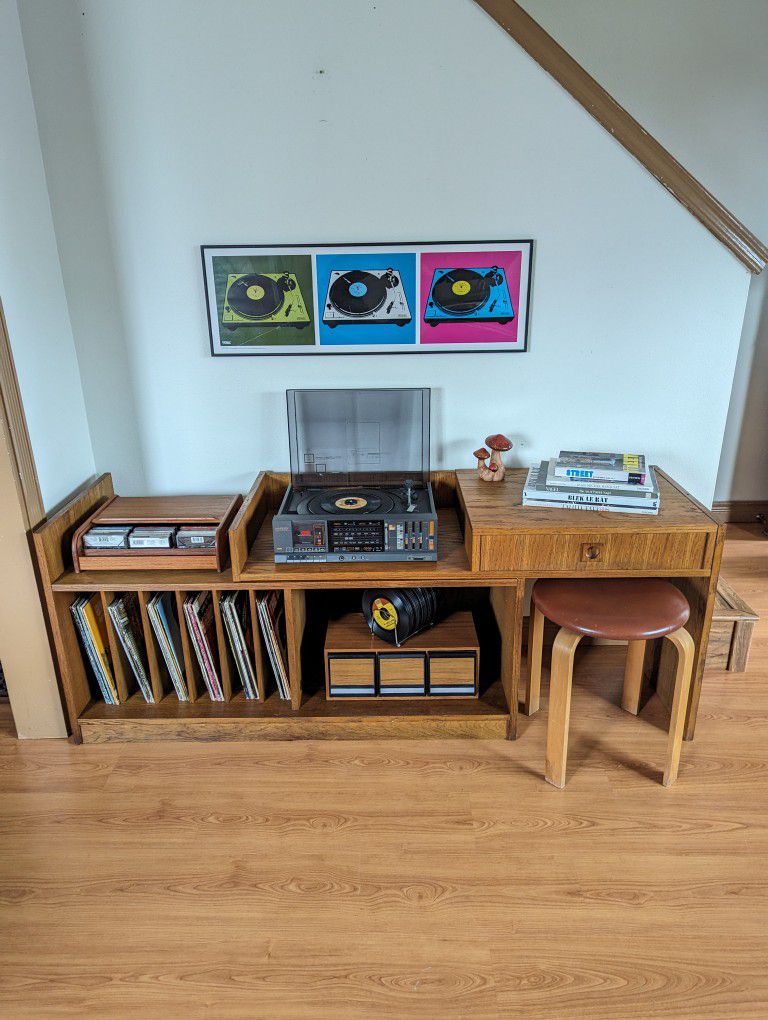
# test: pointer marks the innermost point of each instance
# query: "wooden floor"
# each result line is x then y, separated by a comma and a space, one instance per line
401, 879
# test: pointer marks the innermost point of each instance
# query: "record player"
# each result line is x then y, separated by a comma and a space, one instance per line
365, 296
360, 488
469, 295
271, 299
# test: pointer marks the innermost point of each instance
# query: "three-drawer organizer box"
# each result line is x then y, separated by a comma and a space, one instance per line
443, 661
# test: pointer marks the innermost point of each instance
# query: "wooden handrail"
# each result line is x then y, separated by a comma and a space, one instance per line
747, 248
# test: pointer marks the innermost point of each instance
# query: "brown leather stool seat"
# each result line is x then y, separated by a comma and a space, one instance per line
634, 610
627, 609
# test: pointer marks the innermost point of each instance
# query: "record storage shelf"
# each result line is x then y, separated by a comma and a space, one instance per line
306, 590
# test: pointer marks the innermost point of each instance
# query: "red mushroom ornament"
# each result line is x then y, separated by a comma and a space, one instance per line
482, 456
493, 472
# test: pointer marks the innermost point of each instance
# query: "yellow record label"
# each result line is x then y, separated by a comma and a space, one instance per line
255, 292
351, 503
461, 287
385, 614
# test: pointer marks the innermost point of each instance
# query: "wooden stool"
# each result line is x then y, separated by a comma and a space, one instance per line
632, 610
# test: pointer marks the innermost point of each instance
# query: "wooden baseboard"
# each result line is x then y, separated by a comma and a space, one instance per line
740, 511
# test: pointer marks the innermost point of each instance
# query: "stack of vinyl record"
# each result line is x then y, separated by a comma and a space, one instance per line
614, 482
396, 614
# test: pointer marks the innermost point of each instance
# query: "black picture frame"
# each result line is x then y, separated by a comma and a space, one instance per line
291, 300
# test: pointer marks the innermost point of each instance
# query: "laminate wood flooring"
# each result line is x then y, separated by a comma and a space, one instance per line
401, 878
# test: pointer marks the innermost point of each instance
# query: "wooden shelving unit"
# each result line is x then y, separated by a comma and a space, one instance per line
489, 544
310, 592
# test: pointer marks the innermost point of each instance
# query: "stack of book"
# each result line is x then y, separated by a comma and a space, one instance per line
615, 482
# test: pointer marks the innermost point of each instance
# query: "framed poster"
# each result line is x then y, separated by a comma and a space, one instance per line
368, 298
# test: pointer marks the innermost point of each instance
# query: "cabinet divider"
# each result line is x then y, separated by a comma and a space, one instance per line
295, 621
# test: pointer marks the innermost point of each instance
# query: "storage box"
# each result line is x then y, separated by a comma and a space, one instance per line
730, 633
442, 662
170, 511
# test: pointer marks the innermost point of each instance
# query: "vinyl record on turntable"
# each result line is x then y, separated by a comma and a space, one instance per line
358, 293
348, 502
255, 296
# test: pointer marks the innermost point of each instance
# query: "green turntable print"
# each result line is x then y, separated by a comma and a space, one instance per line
264, 301
269, 298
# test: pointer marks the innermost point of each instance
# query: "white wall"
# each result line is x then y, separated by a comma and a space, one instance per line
83, 227
694, 73
238, 123
31, 288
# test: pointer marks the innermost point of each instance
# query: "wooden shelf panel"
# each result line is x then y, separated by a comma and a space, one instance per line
262, 572
499, 508
317, 718
149, 580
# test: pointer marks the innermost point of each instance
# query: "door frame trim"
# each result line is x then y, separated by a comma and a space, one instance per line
17, 434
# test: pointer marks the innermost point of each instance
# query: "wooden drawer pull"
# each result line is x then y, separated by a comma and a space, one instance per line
590, 551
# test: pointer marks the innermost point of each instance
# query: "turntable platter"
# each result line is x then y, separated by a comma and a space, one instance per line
358, 293
461, 291
347, 502
255, 296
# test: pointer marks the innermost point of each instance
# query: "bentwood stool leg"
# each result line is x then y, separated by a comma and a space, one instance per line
686, 649
560, 705
535, 645
633, 677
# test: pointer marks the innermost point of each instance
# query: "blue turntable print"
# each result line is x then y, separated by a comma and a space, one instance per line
367, 298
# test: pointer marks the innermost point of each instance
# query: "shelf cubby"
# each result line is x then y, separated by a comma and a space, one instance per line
125, 679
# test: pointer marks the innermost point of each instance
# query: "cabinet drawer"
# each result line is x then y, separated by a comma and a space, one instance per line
402, 673
585, 552
453, 674
351, 676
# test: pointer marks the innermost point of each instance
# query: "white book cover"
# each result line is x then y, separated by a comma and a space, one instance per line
650, 485
620, 467
553, 504
536, 489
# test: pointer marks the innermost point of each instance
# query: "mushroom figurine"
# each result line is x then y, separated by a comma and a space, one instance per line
482, 468
494, 472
